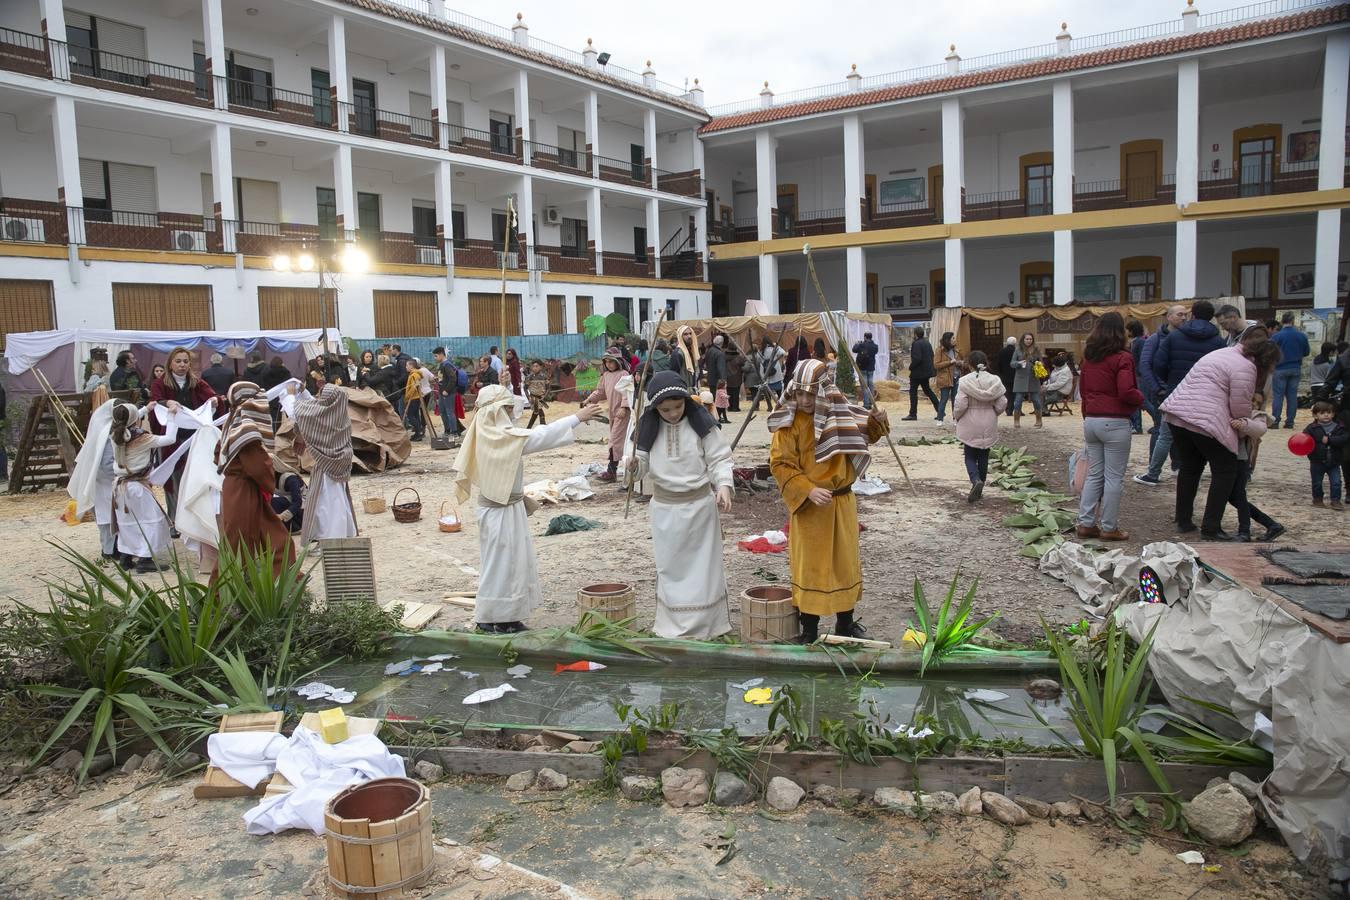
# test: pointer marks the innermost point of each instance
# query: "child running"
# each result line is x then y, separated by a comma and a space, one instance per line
686, 462
1329, 437
980, 400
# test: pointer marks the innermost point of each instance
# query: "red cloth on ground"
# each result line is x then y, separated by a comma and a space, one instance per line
761, 545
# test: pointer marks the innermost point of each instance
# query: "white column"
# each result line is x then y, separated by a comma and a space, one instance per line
593, 132
1335, 77
1188, 142
222, 185
522, 93
854, 170
68, 188
649, 144
855, 279
344, 190
1063, 159
1063, 267
54, 27
337, 71
525, 214
438, 95
213, 33
445, 220
1185, 263
1326, 262
595, 228
953, 173
654, 235
766, 188
701, 230
955, 252
768, 282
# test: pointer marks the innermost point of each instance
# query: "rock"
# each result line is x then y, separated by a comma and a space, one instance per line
1214, 781
730, 789
132, 764
1001, 809
638, 787
428, 771
581, 746
557, 738
185, 763
550, 780
154, 762
837, 797
1094, 812
1220, 815
1037, 809
969, 803
101, 763
68, 761
895, 799
941, 802
782, 794
1066, 809
1248, 788
1123, 807
521, 781
1043, 688
520, 740
684, 787
539, 748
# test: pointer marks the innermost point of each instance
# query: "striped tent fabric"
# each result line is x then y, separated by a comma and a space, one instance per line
841, 427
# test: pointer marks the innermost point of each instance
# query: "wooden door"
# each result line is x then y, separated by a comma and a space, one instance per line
1141, 175
282, 308
873, 292
557, 314
584, 306
789, 296
485, 315
405, 314
986, 335
25, 305
172, 307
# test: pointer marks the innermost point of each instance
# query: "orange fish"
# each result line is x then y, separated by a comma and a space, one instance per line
582, 666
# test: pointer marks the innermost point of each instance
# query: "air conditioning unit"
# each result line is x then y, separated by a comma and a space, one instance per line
13, 228
512, 260
428, 256
552, 216
189, 240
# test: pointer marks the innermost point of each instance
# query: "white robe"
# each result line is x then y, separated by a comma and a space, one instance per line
331, 508
508, 579
691, 584
142, 527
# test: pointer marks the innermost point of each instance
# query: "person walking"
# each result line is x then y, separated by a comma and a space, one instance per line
921, 371
735, 375
948, 363
1134, 329
1294, 348
979, 401
218, 376
715, 362
1110, 398
1003, 368
1025, 383
1160, 436
865, 352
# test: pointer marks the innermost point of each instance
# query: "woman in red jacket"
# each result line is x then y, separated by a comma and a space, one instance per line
179, 384
1110, 397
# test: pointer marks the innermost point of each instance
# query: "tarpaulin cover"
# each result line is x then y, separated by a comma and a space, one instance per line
379, 440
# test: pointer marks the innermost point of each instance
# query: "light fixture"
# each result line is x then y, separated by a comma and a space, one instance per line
460, 174
602, 59
305, 262
260, 143
251, 11
281, 262
354, 260
454, 67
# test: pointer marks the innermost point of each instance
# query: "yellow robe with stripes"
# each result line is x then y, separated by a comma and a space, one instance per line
822, 540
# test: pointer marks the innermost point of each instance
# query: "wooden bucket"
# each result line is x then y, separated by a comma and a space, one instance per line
611, 601
767, 615
379, 838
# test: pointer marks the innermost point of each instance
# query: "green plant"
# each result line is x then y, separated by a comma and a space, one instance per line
1044, 518
1011, 470
844, 377
725, 746
247, 578
356, 631
612, 325
863, 737
1195, 742
631, 739
598, 629
796, 727
188, 619
948, 629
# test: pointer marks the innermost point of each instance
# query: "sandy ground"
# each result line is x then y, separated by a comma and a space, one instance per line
928, 535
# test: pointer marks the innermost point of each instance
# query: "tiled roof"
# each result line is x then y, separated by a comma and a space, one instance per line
1055, 65
486, 40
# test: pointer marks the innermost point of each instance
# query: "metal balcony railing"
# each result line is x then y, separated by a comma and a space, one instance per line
548, 156
373, 121
995, 205
479, 143
261, 99
624, 171
814, 221
1114, 193
1255, 181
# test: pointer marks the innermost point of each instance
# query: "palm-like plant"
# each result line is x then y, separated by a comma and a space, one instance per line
945, 629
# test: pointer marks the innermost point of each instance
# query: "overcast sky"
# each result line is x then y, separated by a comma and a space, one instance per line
732, 47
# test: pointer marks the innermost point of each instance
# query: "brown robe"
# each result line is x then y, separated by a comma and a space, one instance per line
246, 517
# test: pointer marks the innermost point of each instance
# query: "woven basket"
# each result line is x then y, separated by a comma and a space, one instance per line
407, 512
454, 526
374, 505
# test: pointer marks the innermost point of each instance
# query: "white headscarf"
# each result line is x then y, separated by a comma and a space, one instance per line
83, 484
489, 455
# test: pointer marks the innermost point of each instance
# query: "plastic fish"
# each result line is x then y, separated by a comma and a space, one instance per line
519, 671
759, 696
488, 694
581, 666
398, 717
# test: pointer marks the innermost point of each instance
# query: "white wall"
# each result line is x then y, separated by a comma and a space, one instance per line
1295, 240
820, 182
27, 160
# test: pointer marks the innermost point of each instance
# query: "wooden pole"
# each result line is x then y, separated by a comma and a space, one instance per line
511, 224
639, 395
831, 332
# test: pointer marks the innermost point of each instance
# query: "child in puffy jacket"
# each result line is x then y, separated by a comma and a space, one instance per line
1330, 438
980, 398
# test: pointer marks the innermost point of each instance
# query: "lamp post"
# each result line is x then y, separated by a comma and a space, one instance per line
345, 258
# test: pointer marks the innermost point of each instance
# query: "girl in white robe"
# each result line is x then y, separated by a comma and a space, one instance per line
686, 465
142, 526
91, 484
490, 458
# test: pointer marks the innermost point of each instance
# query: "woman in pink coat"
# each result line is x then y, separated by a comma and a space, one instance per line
1200, 411
980, 398
615, 369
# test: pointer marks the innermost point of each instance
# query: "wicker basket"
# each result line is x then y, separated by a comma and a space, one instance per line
407, 512
374, 505
451, 524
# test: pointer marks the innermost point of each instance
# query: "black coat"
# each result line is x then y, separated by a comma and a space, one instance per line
219, 377
1004, 364
715, 366
269, 377
921, 359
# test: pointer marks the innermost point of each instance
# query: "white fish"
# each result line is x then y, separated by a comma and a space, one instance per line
747, 685
519, 671
986, 696
429, 668
441, 657
489, 694
395, 668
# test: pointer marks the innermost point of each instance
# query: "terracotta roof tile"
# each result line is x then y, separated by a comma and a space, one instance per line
1316, 18
504, 46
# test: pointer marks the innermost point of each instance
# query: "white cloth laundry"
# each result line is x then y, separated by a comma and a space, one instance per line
871, 486
317, 771
249, 757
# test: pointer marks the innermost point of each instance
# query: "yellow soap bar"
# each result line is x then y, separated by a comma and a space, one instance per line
333, 725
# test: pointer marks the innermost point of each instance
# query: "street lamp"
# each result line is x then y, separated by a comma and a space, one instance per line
347, 258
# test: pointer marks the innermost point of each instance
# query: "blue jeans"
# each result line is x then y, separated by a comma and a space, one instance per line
977, 463
1156, 427
1161, 448
413, 417
1332, 472
1285, 389
448, 421
868, 388
1035, 397
945, 394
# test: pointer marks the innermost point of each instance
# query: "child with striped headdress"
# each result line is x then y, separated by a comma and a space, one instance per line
819, 449
244, 457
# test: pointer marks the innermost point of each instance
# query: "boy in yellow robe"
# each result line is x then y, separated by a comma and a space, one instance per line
819, 449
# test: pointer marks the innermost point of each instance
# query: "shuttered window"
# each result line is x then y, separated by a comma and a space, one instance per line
405, 314
584, 306
286, 307
92, 183
557, 314
126, 40
485, 315
25, 305
254, 201
121, 186
162, 307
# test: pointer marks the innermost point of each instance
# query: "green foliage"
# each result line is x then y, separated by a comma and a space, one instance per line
248, 581
796, 727
844, 376
726, 747
613, 325
593, 326
1043, 516
863, 737
597, 628
1011, 469
945, 629
631, 740
1192, 741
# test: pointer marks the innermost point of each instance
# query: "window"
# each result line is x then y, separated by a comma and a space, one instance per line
644, 309
458, 227
584, 307
368, 216
672, 310
323, 97
101, 48
284, 308
637, 158
571, 147
1254, 281
152, 307
255, 202
25, 305
419, 108
573, 238
499, 235
405, 314
327, 203
109, 186
502, 128
1038, 189
624, 306
1141, 285
1255, 274
363, 106
640, 244
250, 80
485, 315
424, 224
557, 314
1256, 167
1038, 290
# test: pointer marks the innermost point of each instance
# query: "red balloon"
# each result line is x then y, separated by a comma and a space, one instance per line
1301, 444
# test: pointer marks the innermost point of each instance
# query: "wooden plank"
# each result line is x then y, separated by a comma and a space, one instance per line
415, 614
337, 861
384, 858
360, 862
1053, 780
408, 850
215, 783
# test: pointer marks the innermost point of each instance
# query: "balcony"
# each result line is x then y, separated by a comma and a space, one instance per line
901, 215
1230, 184
1000, 205
558, 159
1117, 194
622, 171
568, 260
811, 222
745, 228
627, 265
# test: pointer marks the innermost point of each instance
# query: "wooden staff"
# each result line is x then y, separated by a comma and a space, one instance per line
640, 394
762, 388
510, 223
841, 344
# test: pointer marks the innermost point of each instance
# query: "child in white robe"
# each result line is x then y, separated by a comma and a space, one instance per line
91, 483
142, 526
686, 465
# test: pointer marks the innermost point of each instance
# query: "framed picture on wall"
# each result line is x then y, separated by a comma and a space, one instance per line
1094, 288
1298, 280
904, 298
1304, 146
898, 191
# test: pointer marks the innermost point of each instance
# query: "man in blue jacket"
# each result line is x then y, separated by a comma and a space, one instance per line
1183, 347
1160, 436
1289, 371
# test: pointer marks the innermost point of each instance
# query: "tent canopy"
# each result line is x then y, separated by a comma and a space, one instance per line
748, 330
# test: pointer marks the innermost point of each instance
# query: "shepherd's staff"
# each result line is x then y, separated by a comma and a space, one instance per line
831, 331
641, 395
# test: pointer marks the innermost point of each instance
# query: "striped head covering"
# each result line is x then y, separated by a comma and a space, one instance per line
489, 455
326, 426
250, 421
841, 427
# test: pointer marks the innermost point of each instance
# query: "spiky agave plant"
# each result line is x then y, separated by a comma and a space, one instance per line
945, 629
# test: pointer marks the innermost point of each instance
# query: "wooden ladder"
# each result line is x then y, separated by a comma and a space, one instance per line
46, 451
